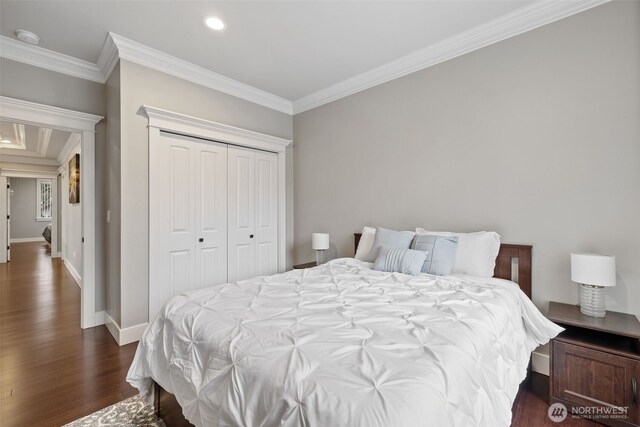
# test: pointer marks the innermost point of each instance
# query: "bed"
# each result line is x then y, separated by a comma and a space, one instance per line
341, 344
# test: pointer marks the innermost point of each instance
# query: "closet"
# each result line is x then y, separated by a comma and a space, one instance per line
213, 215
253, 222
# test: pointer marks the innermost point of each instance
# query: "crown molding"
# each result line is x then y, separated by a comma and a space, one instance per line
108, 57
73, 140
25, 171
510, 25
10, 158
188, 125
48, 59
44, 137
117, 47
19, 141
42, 144
143, 55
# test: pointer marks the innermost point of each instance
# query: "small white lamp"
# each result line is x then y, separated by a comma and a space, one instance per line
320, 243
594, 273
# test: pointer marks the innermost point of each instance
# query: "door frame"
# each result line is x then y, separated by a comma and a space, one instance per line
15, 173
4, 211
85, 124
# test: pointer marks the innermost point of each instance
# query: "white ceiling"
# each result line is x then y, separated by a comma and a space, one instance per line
287, 55
28, 143
290, 49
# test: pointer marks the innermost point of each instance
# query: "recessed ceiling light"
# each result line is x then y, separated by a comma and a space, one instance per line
214, 23
27, 37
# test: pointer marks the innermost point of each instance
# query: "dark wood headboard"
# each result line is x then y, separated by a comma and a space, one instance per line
504, 264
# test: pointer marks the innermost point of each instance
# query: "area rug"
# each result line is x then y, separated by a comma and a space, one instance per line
130, 412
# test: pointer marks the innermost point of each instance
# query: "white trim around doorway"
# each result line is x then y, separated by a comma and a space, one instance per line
27, 173
73, 121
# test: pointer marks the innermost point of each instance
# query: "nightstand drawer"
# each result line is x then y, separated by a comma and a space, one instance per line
589, 378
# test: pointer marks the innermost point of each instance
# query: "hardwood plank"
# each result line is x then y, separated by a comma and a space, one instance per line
51, 371
532, 402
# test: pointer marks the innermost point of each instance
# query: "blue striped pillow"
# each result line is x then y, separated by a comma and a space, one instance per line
392, 238
399, 260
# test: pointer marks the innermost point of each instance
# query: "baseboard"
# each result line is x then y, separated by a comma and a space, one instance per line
540, 360
74, 273
132, 333
112, 326
100, 317
124, 335
27, 240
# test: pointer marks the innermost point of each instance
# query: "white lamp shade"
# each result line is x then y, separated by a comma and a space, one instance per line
320, 241
593, 269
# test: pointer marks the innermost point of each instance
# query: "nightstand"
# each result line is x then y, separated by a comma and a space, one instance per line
595, 365
305, 265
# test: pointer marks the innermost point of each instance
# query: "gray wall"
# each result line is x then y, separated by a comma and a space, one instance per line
34, 84
536, 137
71, 219
23, 210
112, 156
140, 85
59, 194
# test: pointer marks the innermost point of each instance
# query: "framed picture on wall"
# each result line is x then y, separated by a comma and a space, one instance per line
74, 179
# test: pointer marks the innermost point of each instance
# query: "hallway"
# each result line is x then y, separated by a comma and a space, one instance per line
51, 371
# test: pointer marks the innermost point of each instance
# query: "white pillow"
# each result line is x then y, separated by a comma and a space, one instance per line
476, 254
366, 243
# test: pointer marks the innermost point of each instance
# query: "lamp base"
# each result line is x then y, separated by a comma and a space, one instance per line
319, 256
592, 300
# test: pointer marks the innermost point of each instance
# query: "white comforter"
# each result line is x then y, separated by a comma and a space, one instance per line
343, 345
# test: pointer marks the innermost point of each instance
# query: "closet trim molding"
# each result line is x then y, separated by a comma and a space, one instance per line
219, 132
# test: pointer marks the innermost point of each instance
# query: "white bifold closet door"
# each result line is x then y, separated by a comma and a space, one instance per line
253, 213
187, 217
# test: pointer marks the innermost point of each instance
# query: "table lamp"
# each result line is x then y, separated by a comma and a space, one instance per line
320, 243
593, 272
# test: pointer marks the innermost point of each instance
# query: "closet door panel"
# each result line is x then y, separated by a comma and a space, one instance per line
182, 229
211, 214
266, 220
244, 262
241, 216
172, 220
243, 192
181, 267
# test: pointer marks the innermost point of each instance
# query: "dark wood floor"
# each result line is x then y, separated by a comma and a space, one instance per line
530, 407
52, 372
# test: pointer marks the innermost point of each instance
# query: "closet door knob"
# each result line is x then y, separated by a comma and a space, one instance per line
201, 240
251, 236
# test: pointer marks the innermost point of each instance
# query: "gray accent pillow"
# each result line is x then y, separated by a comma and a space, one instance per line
399, 260
391, 238
442, 253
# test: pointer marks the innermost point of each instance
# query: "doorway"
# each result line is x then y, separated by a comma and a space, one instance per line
31, 214
82, 125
